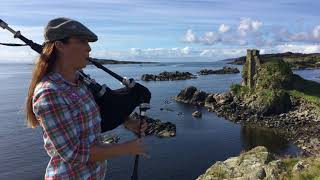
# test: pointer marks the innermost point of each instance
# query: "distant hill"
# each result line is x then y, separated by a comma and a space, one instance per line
296, 60
111, 61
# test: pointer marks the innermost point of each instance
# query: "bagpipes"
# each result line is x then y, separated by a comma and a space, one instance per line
115, 105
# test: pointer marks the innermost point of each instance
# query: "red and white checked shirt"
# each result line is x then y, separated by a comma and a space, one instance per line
70, 119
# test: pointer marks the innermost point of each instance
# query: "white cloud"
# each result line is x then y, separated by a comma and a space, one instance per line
208, 52
224, 28
190, 37
223, 52
242, 42
300, 36
256, 25
298, 48
248, 33
210, 38
135, 51
247, 25
284, 36
316, 32
186, 50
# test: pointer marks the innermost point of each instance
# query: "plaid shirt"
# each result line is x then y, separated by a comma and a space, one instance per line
70, 119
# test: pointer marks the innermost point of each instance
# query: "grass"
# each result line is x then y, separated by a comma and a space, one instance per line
274, 74
240, 91
311, 170
307, 90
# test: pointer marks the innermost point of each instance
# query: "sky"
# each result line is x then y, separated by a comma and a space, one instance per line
170, 30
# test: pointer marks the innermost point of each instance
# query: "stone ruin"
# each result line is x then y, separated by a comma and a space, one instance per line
250, 68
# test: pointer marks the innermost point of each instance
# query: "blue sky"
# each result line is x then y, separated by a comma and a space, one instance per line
171, 30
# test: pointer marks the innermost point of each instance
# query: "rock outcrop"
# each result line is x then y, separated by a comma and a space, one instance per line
224, 70
157, 128
249, 165
168, 76
258, 163
191, 95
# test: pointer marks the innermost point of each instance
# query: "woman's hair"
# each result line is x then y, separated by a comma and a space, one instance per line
43, 66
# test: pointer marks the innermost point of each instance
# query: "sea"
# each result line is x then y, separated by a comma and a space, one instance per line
198, 144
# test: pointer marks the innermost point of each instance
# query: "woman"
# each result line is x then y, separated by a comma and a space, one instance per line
66, 110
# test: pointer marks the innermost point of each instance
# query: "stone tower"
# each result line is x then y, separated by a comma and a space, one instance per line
251, 66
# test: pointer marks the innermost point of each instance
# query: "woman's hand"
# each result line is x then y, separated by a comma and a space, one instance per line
137, 147
133, 125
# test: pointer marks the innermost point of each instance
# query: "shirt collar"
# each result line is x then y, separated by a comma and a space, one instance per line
58, 78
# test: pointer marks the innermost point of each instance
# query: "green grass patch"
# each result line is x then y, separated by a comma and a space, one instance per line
290, 162
307, 90
274, 74
310, 171
240, 91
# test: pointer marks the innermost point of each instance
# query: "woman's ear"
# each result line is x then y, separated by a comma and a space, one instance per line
59, 45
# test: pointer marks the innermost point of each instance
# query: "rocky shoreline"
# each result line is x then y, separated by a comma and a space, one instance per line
258, 163
300, 125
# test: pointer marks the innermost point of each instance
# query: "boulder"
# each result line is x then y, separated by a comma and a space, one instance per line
199, 98
249, 165
110, 139
156, 127
186, 94
191, 95
197, 114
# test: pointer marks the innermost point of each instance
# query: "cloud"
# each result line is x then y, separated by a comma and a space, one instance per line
212, 53
210, 38
224, 28
186, 50
248, 32
298, 48
300, 36
316, 32
285, 36
161, 52
135, 51
247, 25
223, 53
190, 37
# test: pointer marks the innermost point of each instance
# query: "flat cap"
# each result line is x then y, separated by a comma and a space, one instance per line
61, 28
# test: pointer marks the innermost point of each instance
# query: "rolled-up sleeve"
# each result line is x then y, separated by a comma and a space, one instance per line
57, 122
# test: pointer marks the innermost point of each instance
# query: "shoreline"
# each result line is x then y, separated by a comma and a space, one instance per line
299, 126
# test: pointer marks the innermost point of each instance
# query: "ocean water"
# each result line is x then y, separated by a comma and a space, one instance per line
198, 144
